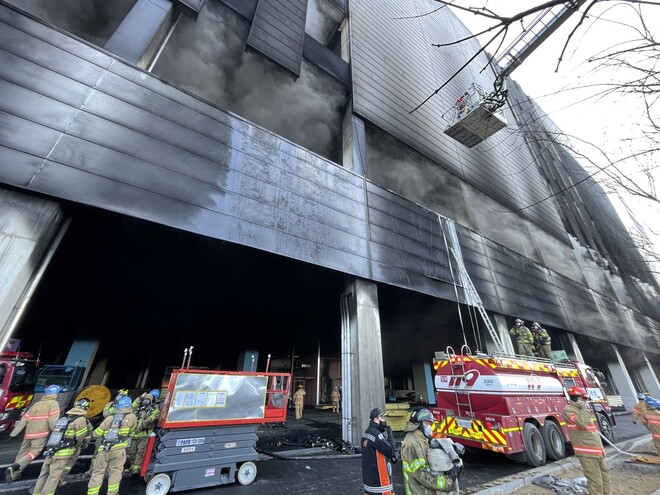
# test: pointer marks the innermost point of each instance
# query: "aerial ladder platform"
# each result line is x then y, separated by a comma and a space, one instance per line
477, 115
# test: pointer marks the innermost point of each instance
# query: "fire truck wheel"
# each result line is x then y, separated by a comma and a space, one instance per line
553, 437
246, 473
606, 427
534, 446
159, 484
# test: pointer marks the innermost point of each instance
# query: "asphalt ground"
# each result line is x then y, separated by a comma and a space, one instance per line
307, 456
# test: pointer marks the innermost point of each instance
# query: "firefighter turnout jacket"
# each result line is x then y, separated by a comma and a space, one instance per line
113, 433
417, 475
522, 335
583, 431
638, 412
78, 431
147, 415
378, 449
39, 420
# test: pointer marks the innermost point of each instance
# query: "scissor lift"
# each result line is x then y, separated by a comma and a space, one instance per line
207, 428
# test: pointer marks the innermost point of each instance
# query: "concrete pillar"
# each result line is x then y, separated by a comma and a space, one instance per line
622, 379
499, 322
362, 358
575, 348
648, 376
30, 230
140, 34
353, 142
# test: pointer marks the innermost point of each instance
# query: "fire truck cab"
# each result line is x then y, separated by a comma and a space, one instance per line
512, 404
18, 376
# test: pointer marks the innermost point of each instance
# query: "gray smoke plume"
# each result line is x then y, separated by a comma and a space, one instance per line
91, 20
207, 57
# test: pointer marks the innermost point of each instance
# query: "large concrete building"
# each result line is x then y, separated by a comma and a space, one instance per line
247, 177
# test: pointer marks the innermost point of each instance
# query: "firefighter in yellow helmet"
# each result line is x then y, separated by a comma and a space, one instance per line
523, 338
587, 445
335, 397
71, 432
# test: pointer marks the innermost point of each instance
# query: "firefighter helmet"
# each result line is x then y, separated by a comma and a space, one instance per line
420, 415
123, 391
578, 391
518, 322
52, 389
123, 402
83, 403
641, 396
536, 325
155, 393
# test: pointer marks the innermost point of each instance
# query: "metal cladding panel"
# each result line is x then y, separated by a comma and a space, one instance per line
278, 32
394, 69
477, 265
246, 8
582, 309
526, 289
99, 132
326, 59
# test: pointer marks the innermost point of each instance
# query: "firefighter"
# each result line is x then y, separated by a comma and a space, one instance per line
587, 445
417, 476
299, 401
652, 417
73, 430
639, 410
523, 338
335, 397
146, 410
542, 341
378, 454
109, 409
38, 421
113, 434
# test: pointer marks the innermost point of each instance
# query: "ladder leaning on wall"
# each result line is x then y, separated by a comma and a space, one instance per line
472, 296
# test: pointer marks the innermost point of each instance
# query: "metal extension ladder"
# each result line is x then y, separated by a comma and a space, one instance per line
466, 282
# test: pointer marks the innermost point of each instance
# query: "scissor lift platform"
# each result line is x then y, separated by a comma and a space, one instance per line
207, 429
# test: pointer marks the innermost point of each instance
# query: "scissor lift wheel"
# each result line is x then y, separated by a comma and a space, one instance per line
159, 484
245, 475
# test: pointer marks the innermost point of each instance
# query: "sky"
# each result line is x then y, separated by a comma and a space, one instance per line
611, 123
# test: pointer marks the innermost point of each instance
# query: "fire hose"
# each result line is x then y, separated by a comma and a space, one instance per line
617, 448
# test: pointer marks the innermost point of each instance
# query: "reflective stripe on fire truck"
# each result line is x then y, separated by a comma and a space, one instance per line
478, 432
570, 373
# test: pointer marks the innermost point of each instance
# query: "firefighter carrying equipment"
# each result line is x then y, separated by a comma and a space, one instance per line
57, 440
113, 437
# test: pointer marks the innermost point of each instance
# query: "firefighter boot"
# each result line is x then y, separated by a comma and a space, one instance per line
12, 473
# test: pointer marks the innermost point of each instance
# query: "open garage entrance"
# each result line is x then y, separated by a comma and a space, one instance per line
146, 292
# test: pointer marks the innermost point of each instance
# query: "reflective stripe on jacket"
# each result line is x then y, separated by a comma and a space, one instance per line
378, 448
583, 431
417, 476
77, 430
125, 429
40, 419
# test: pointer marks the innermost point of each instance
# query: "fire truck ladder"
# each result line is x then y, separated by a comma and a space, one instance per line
463, 400
465, 280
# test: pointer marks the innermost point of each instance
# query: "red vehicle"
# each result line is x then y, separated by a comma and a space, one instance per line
18, 376
512, 405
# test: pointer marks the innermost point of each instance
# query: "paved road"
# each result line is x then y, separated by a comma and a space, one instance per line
326, 473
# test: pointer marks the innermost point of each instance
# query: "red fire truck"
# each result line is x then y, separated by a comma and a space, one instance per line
18, 376
511, 404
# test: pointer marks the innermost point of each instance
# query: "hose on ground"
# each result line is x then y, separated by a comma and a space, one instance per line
310, 457
617, 448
